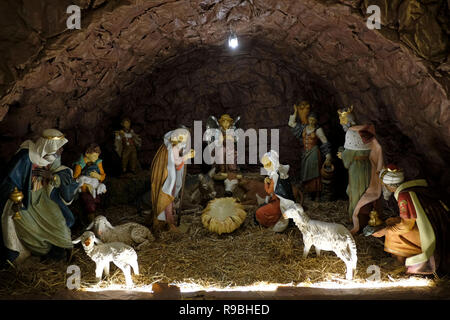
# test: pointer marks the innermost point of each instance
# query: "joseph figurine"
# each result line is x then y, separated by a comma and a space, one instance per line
167, 177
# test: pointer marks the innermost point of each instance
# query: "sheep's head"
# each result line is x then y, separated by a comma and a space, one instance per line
87, 239
294, 212
100, 225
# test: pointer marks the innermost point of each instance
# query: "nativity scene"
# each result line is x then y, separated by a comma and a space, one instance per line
181, 169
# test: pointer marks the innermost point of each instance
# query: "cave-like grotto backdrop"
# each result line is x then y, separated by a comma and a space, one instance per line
164, 63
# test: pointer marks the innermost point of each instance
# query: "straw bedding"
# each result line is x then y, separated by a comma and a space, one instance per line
249, 255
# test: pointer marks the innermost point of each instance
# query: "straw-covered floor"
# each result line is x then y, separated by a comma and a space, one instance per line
249, 255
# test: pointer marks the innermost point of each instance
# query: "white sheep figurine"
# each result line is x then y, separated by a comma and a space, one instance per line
130, 233
122, 255
325, 236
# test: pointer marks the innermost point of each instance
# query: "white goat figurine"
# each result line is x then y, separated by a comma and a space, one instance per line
130, 233
120, 254
325, 236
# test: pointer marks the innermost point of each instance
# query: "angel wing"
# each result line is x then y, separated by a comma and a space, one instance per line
236, 125
212, 123
212, 129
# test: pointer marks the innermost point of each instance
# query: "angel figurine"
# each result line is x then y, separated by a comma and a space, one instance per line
222, 133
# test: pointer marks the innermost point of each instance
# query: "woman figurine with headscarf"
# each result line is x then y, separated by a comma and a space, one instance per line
167, 176
279, 190
34, 222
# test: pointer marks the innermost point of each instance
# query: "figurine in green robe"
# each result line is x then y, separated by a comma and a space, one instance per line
361, 157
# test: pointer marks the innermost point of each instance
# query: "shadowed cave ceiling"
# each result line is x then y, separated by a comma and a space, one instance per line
164, 63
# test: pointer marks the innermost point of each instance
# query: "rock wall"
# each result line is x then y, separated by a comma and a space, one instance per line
250, 84
167, 62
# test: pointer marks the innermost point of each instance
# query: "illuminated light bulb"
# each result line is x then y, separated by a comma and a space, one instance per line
233, 41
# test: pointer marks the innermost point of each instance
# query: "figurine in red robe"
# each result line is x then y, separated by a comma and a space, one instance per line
419, 237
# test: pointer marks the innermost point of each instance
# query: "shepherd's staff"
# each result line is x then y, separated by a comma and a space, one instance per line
178, 210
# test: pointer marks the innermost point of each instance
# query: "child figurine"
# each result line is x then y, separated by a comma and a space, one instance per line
126, 144
90, 174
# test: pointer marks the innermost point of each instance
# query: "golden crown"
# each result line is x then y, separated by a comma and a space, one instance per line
387, 169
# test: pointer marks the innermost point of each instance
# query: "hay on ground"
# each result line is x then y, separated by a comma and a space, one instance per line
249, 255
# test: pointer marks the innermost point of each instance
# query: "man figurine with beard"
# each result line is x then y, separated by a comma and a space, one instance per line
32, 221
167, 177
419, 238
363, 158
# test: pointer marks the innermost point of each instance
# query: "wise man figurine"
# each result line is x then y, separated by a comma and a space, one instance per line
419, 237
362, 156
126, 144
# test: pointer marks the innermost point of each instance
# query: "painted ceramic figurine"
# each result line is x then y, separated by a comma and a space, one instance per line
222, 133
279, 193
42, 225
311, 135
168, 174
126, 144
419, 237
363, 158
374, 220
90, 174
